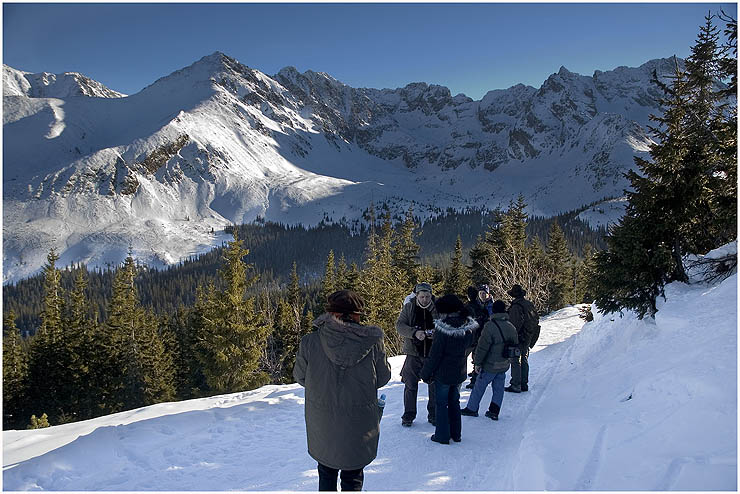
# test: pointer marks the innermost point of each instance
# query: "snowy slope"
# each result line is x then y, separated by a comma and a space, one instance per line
615, 404
92, 173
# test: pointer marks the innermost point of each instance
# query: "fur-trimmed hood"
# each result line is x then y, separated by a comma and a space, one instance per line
446, 327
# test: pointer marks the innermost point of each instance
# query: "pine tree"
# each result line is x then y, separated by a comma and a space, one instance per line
679, 202
294, 289
457, 280
328, 284
586, 272
559, 258
341, 278
383, 286
288, 333
232, 342
15, 374
84, 352
406, 250
48, 378
146, 374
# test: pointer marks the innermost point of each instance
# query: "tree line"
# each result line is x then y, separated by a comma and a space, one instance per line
273, 250
79, 365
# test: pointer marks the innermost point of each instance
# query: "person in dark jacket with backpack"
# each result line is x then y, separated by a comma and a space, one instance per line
447, 365
480, 308
491, 362
523, 316
342, 364
415, 324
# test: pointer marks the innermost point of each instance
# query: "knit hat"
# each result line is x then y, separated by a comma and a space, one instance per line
499, 306
449, 304
423, 287
517, 291
472, 293
484, 288
345, 302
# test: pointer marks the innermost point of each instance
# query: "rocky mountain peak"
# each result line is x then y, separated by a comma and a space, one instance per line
48, 85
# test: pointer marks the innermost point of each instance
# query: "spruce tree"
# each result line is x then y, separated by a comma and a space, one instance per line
329, 283
383, 286
678, 204
406, 250
457, 280
559, 258
146, 373
15, 375
340, 277
232, 340
48, 378
294, 289
84, 352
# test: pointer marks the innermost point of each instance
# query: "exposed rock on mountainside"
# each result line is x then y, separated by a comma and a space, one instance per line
92, 173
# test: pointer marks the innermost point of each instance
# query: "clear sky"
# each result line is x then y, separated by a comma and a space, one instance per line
470, 48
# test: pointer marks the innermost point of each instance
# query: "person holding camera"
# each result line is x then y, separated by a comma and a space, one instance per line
498, 344
415, 324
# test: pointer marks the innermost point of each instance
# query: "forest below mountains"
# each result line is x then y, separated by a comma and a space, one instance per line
273, 248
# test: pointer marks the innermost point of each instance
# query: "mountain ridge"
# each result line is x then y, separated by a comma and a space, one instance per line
218, 142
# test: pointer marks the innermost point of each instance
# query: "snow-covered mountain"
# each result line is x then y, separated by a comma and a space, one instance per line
93, 173
617, 404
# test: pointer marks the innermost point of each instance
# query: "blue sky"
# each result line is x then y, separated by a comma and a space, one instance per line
470, 48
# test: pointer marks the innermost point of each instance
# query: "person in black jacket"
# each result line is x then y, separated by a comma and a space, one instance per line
479, 306
446, 365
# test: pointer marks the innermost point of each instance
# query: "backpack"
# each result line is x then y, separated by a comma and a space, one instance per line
531, 324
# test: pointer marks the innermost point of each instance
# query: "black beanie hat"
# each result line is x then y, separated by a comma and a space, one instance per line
449, 304
499, 306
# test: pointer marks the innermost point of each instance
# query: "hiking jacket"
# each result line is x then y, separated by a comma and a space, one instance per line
341, 365
447, 361
480, 313
517, 312
489, 352
406, 326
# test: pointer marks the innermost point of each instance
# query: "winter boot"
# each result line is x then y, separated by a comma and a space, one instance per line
512, 389
525, 388
492, 412
434, 438
468, 412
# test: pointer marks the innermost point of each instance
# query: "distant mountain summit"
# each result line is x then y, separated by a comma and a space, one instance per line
47, 85
92, 172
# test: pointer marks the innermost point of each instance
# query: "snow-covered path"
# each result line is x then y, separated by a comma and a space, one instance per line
617, 404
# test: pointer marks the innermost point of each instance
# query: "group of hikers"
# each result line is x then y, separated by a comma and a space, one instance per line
343, 363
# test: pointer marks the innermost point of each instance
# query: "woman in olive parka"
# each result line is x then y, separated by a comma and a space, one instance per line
342, 364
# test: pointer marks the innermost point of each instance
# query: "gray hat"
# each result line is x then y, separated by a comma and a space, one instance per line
423, 287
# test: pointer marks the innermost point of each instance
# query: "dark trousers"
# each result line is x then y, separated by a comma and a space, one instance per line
520, 369
351, 479
410, 379
449, 422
